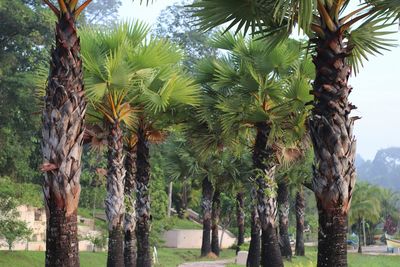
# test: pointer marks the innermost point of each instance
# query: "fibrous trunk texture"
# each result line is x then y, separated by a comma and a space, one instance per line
300, 211
283, 204
206, 204
130, 256
143, 200
215, 214
115, 207
240, 219
266, 196
253, 259
331, 130
63, 128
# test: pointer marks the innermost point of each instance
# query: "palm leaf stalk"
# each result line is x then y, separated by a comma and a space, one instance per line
63, 128
341, 41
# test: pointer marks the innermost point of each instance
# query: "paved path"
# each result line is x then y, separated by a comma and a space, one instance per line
207, 263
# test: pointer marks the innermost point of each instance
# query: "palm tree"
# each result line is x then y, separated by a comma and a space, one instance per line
63, 119
340, 42
108, 78
255, 95
149, 71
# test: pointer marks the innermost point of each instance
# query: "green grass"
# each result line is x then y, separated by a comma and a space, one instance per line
184, 224
36, 259
168, 257
354, 260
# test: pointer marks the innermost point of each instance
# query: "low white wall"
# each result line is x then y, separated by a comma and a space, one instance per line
192, 238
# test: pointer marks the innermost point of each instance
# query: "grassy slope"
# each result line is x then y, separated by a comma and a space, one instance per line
168, 257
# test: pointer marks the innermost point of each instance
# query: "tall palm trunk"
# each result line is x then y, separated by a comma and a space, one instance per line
63, 128
215, 214
143, 200
115, 207
240, 219
253, 259
130, 212
334, 147
267, 208
300, 211
206, 204
283, 202
359, 234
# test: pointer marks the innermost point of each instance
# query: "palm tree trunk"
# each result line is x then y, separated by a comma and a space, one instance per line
216, 211
143, 200
130, 256
63, 129
206, 207
359, 235
240, 219
115, 207
253, 259
331, 131
300, 211
283, 202
266, 196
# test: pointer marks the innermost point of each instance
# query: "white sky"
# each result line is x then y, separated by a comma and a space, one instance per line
376, 90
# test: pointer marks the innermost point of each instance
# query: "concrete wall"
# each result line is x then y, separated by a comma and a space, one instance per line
192, 238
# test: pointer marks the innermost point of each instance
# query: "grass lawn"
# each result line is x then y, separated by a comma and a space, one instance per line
355, 260
168, 257
36, 259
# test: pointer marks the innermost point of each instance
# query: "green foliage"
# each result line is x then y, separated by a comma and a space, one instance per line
24, 35
21, 193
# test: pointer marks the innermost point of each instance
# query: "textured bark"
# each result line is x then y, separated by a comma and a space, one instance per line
62, 232
63, 128
215, 215
240, 219
266, 196
300, 212
334, 145
130, 256
143, 200
283, 203
115, 207
206, 204
115, 256
253, 259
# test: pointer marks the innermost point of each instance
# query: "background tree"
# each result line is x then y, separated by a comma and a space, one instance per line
24, 38
365, 205
11, 228
176, 24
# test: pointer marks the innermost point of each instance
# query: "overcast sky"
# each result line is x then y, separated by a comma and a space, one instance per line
376, 90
